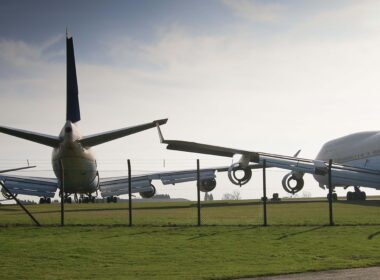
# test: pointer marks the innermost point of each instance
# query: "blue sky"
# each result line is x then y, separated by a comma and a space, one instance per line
272, 76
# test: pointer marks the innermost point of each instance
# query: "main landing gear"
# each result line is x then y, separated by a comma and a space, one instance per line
87, 199
45, 200
334, 197
111, 199
357, 195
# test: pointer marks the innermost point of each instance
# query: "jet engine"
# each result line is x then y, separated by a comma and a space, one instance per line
288, 182
207, 185
150, 193
4, 192
242, 179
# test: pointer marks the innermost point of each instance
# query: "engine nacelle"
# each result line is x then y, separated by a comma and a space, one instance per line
233, 171
207, 185
4, 192
149, 194
287, 182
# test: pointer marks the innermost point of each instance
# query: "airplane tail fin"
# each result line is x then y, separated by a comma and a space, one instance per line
72, 102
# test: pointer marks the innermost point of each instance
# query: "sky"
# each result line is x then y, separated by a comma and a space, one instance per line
271, 76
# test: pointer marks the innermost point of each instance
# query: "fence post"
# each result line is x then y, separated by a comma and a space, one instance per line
198, 193
265, 192
62, 195
130, 192
330, 195
20, 204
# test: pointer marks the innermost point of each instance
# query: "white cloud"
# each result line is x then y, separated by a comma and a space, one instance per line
255, 11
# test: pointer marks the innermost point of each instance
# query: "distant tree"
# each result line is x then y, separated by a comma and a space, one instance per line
210, 197
227, 196
235, 195
206, 198
306, 194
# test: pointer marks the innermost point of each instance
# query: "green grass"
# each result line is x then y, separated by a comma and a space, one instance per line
245, 212
223, 252
96, 244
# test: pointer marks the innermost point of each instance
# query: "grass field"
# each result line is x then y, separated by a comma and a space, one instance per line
98, 245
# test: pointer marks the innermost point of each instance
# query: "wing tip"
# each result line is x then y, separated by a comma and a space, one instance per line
161, 121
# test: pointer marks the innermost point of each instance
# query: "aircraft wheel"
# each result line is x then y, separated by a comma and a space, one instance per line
42, 200
363, 196
350, 196
114, 199
48, 200
334, 197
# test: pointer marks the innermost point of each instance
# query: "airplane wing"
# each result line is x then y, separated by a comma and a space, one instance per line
35, 186
343, 175
114, 186
142, 184
16, 169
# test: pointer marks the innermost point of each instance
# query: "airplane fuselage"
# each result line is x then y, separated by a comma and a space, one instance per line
360, 149
79, 163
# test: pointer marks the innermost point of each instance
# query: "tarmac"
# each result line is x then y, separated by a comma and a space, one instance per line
370, 273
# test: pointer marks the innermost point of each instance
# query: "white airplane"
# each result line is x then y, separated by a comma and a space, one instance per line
72, 153
355, 162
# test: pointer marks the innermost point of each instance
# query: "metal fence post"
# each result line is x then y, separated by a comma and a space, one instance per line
20, 204
62, 195
198, 193
130, 192
330, 195
265, 192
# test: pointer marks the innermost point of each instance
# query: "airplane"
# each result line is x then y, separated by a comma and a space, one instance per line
355, 162
74, 163
4, 193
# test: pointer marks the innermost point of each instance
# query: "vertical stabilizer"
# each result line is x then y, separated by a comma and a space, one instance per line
72, 102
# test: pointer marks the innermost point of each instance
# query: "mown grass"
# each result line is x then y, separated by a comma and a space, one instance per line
97, 244
247, 212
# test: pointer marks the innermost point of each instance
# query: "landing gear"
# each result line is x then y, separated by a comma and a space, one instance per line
111, 199
45, 200
87, 199
357, 195
68, 200
334, 197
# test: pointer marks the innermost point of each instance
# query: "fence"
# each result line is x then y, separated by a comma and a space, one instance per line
201, 213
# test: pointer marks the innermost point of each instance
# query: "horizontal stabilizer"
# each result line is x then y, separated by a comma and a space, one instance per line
43, 139
93, 140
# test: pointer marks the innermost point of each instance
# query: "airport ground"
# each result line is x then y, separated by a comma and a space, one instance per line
165, 244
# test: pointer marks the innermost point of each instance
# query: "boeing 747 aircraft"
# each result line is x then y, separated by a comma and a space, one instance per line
72, 153
356, 163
